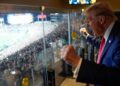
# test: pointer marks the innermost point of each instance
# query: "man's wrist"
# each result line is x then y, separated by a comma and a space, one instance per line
77, 61
76, 71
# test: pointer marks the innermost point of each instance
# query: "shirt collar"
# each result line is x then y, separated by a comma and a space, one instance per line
107, 32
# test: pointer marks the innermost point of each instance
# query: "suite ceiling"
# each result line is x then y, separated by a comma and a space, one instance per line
51, 5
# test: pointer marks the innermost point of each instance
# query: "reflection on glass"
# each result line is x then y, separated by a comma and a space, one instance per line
21, 43
11, 37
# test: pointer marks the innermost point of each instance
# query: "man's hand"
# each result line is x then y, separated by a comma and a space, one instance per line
68, 54
84, 32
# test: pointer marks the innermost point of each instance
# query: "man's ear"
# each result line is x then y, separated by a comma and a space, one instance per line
101, 19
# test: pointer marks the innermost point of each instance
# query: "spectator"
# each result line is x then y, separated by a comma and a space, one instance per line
106, 72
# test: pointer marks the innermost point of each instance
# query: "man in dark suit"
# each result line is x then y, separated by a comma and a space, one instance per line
106, 71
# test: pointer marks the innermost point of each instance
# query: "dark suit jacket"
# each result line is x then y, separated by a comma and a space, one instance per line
107, 73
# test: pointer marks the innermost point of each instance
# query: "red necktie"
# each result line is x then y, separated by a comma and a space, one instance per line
100, 50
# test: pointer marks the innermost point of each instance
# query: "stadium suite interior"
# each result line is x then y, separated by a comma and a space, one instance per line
50, 5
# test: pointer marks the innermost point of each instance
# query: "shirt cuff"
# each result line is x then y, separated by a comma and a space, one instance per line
86, 36
76, 71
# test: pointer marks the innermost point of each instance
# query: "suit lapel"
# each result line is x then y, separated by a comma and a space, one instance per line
109, 42
107, 45
110, 39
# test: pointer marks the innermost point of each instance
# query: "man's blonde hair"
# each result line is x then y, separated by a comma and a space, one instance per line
101, 8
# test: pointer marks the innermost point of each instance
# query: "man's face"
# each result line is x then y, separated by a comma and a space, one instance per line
95, 24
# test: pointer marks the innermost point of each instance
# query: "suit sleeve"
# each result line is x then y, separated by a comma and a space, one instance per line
98, 74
